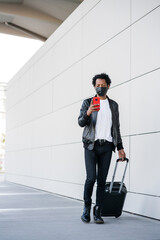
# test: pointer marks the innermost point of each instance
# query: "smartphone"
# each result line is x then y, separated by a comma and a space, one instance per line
96, 100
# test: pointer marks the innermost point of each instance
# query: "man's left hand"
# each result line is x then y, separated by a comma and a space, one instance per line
121, 154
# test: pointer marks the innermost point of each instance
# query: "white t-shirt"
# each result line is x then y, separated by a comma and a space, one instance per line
104, 121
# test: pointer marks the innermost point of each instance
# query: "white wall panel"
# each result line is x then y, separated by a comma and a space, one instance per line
24, 136
41, 162
145, 164
143, 204
145, 48
10, 162
12, 119
42, 101
65, 120
108, 58
67, 51
70, 22
11, 140
40, 72
25, 84
52, 130
142, 7
12, 95
24, 110
97, 27
43, 140
43, 131
22, 159
68, 85
59, 187
73, 45
21, 89
69, 166
145, 96
62, 55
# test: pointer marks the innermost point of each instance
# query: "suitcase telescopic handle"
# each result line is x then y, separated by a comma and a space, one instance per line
115, 169
120, 160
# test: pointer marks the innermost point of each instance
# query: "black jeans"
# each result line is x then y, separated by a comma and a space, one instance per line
97, 162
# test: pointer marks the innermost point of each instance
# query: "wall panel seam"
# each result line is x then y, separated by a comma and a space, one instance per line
48, 179
143, 133
146, 194
40, 147
152, 10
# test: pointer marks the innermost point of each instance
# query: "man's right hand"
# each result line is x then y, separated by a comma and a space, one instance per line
92, 108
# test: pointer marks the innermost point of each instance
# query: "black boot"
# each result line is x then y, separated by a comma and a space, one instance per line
97, 215
86, 213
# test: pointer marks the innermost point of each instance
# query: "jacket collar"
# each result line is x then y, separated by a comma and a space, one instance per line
106, 96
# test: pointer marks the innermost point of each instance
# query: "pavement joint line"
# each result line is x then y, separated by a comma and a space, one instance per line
9, 194
36, 209
3, 187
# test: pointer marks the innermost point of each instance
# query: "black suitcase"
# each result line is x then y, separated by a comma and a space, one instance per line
115, 194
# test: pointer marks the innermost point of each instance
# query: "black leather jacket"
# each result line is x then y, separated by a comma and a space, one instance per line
89, 123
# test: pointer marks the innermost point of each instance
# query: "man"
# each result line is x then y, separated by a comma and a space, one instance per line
101, 136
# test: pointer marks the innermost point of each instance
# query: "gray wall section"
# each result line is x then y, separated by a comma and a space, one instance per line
43, 144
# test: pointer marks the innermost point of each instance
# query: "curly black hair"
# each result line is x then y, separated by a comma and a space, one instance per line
101, 76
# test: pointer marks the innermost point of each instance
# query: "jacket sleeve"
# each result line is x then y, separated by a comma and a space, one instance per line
119, 139
83, 118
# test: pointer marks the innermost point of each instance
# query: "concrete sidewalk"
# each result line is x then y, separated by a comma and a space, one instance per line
30, 214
